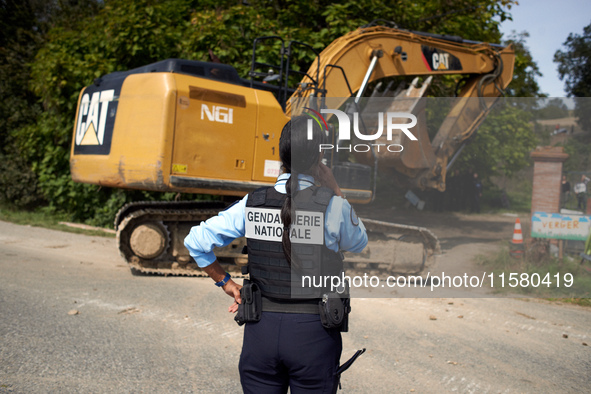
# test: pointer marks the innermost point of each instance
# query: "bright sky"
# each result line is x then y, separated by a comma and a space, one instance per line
548, 23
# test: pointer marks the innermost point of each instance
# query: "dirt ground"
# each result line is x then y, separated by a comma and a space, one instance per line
462, 236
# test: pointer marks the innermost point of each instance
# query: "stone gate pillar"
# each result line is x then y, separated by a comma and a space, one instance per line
547, 178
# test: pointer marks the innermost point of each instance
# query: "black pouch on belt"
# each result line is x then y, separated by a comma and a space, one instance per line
334, 311
252, 304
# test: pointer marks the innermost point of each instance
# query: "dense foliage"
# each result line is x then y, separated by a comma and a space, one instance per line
573, 68
501, 146
554, 108
53, 49
503, 142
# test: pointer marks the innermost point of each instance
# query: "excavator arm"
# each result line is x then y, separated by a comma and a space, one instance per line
369, 54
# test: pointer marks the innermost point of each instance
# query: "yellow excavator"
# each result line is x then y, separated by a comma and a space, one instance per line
198, 127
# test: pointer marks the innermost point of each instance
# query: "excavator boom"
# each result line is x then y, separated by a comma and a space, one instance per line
369, 54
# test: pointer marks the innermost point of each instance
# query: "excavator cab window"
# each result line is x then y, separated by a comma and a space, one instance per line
223, 74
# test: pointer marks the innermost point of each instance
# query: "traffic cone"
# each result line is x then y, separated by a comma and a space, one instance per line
517, 236
517, 249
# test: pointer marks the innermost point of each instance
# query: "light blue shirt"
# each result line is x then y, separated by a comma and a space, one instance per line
342, 229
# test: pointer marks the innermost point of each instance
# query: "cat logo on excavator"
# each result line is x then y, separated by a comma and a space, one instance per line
94, 126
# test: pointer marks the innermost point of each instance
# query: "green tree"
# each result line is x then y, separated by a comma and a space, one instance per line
19, 43
24, 24
115, 35
123, 35
554, 108
502, 144
525, 71
573, 68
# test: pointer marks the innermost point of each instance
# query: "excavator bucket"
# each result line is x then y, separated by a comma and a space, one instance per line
417, 154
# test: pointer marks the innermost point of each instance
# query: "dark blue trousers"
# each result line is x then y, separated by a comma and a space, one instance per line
289, 350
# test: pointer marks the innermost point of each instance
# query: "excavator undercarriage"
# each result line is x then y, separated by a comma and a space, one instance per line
150, 238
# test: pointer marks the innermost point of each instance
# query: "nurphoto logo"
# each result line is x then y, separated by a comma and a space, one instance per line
344, 130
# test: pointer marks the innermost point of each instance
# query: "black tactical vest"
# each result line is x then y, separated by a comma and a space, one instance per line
267, 264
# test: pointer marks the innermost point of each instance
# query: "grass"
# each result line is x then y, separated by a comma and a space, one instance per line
43, 218
520, 198
537, 263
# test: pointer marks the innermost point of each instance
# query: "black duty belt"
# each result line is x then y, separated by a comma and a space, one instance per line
288, 306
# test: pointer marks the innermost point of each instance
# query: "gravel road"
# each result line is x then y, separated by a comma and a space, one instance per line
74, 319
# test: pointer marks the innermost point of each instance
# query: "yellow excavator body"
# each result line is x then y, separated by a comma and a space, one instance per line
176, 132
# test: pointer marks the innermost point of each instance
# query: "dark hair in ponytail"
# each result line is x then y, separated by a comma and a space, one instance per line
298, 155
